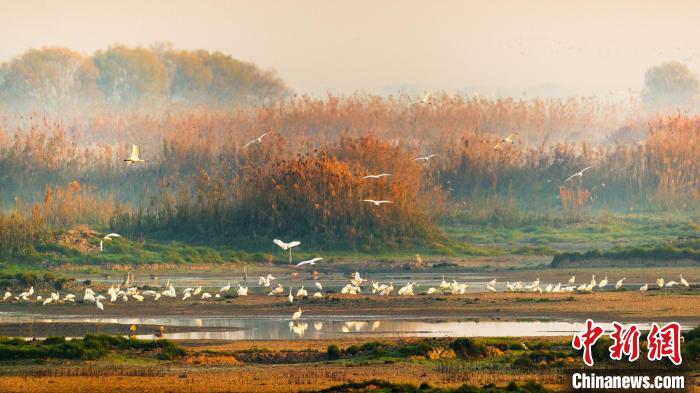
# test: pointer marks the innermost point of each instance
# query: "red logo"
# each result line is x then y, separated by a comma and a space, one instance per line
625, 341
665, 342
586, 340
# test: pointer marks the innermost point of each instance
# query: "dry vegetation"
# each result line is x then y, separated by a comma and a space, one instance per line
305, 178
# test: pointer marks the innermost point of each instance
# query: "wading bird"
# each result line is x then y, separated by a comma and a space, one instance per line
644, 287
379, 176
572, 280
258, 139
108, 237
309, 262
660, 282
225, 288
577, 174
134, 157
508, 139
376, 203
287, 246
296, 315
619, 284
684, 282
603, 282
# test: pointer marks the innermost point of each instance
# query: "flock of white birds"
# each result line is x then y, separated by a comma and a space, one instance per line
120, 293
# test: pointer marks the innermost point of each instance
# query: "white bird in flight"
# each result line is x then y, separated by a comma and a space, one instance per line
134, 157
287, 246
309, 262
508, 139
426, 158
108, 237
376, 203
578, 174
379, 176
424, 100
258, 139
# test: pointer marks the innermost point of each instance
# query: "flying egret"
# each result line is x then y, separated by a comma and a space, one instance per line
376, 203
426, 158
577, 174
508, 139
287, 246
379, 176
134, 158
309, 262
296, 315
258, 139
108, 237
425, 100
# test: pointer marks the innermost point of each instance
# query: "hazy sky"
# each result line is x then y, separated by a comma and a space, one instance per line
317, 46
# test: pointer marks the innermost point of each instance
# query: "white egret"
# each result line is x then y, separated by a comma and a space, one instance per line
258, 139
186, 296
318, 295
379, 176
309, 262
206, 295
577, 174
302, 292
684, 282
376, 203
572, 280
99, 305
318, 286
660, 282
286, 246
425, 158
134, 158
603, 282
7, 296
644, 287
225, 288
508, 139
425, 100
296, 315
619, 283
108, 237
242, 291
671, 284
290, 297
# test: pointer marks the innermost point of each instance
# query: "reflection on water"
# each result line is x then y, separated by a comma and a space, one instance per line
274, 328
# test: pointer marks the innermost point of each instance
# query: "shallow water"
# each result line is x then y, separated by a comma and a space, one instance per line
326, 327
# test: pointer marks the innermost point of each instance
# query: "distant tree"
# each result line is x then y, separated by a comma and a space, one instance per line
129, 75
51, 77
670, 87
